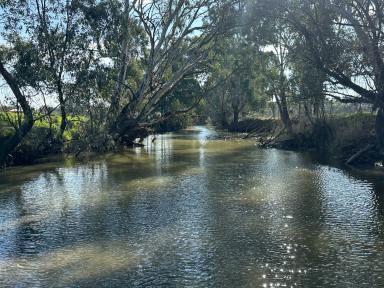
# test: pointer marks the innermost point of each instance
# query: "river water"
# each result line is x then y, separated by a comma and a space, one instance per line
189, 211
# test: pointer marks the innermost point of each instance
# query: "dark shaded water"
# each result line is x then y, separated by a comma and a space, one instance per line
192, 212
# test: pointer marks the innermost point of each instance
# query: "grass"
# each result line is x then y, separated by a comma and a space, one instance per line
353, 127
7, 130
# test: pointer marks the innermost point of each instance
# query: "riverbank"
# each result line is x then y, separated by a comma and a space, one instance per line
348, 139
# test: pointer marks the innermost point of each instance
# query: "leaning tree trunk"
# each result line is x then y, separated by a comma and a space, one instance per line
284, 114
223, 121
126, 129
223, 114
64, 121
11, 143
380, 129
7, 146
235, 124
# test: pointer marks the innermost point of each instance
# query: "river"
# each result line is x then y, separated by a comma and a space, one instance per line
192, 211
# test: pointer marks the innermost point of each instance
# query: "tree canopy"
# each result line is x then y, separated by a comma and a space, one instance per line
102, 73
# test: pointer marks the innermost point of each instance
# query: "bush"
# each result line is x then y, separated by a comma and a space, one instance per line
322, 136
39, 142
7, 132
352, 128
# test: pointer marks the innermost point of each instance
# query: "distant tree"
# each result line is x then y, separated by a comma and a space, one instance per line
236, 65
309, 86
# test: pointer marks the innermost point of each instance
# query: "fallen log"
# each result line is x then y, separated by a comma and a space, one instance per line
359, 153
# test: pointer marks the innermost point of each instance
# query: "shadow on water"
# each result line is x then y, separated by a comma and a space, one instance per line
191, 211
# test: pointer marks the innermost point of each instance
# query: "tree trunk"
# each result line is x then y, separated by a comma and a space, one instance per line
126, 130
114, 107
223, 114
224, 122
115, 101
235, 124
64, 122
380, 129
308, 113
284, 114
11, 143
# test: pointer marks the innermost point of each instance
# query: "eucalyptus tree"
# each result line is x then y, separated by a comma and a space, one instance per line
266, 27
279, 63
47, 56
309, 88
236, 64
344, 39
243, 82
17, 71
24, 124
221, 68
52, 29
180, 35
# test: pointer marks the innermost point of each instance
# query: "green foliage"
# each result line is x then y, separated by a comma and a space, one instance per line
46, 123
6, 132
117, 70
185, 96
236, 66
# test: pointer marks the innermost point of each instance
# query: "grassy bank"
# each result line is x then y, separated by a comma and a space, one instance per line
339, 138
81, 135
42, 140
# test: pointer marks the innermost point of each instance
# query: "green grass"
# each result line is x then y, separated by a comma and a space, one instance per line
347, 118
6, 128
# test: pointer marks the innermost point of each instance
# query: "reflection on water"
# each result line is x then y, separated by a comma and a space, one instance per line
188, 210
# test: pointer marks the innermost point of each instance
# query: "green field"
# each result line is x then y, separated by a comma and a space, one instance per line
7, 118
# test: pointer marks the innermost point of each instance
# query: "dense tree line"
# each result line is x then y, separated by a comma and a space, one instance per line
110, 71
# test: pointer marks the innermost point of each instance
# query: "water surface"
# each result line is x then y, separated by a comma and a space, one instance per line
191, 211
